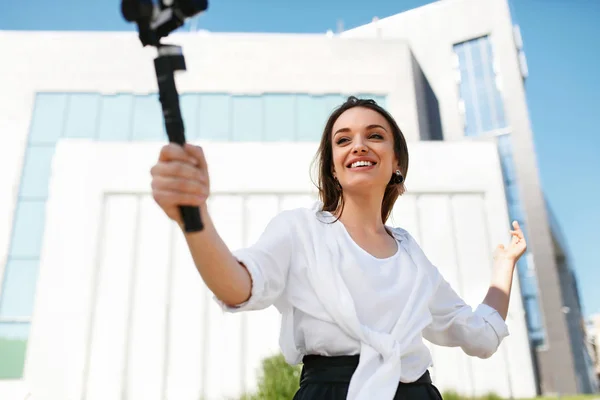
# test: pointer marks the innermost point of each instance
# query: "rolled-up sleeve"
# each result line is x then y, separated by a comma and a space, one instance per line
268, 262
478, 332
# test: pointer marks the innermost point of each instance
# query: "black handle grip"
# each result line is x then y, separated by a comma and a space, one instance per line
191, 218
170, 60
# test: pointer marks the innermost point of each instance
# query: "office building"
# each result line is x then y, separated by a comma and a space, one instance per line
472, 57
98, 296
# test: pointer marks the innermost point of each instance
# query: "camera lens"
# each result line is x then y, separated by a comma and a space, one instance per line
192, 7
137, 10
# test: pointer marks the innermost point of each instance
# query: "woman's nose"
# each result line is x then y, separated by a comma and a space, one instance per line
359, 147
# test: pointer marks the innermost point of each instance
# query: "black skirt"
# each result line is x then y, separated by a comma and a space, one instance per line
328, 378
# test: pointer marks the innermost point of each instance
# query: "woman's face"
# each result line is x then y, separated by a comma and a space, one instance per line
363, 150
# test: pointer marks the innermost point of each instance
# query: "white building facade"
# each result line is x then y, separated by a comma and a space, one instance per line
99, 297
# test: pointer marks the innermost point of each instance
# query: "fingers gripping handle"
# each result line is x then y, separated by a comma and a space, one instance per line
169, 60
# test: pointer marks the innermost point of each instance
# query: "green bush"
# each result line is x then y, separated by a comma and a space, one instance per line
277, 380
492, 396
452, 395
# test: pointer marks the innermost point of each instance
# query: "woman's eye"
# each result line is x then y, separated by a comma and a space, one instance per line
342, 140
376, 136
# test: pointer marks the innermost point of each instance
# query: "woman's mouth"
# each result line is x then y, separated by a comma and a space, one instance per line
362, 165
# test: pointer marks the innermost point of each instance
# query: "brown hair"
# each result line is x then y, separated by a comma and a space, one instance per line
329, 192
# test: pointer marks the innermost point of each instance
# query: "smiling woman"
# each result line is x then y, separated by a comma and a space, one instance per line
364, 133
357, 297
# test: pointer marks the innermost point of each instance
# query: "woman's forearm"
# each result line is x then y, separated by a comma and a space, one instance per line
498, 295
223, 274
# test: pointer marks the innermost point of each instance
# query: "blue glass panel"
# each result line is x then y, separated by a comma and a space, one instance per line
28, 229
381, 100
508, 168
115, 117
48, 118
312, 112
515, 212
148, 121
504, 144
471, 124
14, 330
462, 57
485, 109
533, 314
488, 54
528, 283
527, 279
280, 117
483, 104
311, 116
81, 119
474, 48
19, 288
512, 194
538, 337
247, 118
189, 103
333, 101
215, 117
36, 171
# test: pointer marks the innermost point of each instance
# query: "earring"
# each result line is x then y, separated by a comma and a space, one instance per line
398, 178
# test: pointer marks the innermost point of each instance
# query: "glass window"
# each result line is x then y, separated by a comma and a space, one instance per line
515, 211
28, 229
280, 118
36, 171
114, 122
534, 319
48, 118
333, 101
214, 117
312, 113
484, 111
512, 194
309, 118
189, 103
81, 119
19, 288
148, 122
247, 122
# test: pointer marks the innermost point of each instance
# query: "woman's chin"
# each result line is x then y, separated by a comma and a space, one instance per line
361, 185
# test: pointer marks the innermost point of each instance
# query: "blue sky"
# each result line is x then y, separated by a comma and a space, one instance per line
563, 91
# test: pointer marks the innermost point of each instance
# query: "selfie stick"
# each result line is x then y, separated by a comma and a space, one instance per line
170, 59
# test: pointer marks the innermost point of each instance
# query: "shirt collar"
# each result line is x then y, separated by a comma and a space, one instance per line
327, 217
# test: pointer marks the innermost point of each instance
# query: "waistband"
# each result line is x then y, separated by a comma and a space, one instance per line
339, 369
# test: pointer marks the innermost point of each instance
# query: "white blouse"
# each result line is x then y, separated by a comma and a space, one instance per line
337, 299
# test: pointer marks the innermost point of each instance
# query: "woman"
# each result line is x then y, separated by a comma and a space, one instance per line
356, 297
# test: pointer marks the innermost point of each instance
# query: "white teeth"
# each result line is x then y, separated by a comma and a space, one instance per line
361, 164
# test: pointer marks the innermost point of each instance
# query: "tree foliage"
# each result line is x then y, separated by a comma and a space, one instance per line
277, 380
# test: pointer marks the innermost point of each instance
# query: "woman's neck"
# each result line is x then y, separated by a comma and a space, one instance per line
362, 213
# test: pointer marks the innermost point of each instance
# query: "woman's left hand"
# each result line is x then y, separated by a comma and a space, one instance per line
515, 249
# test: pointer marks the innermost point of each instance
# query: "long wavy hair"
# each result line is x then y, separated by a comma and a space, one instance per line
330, 193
